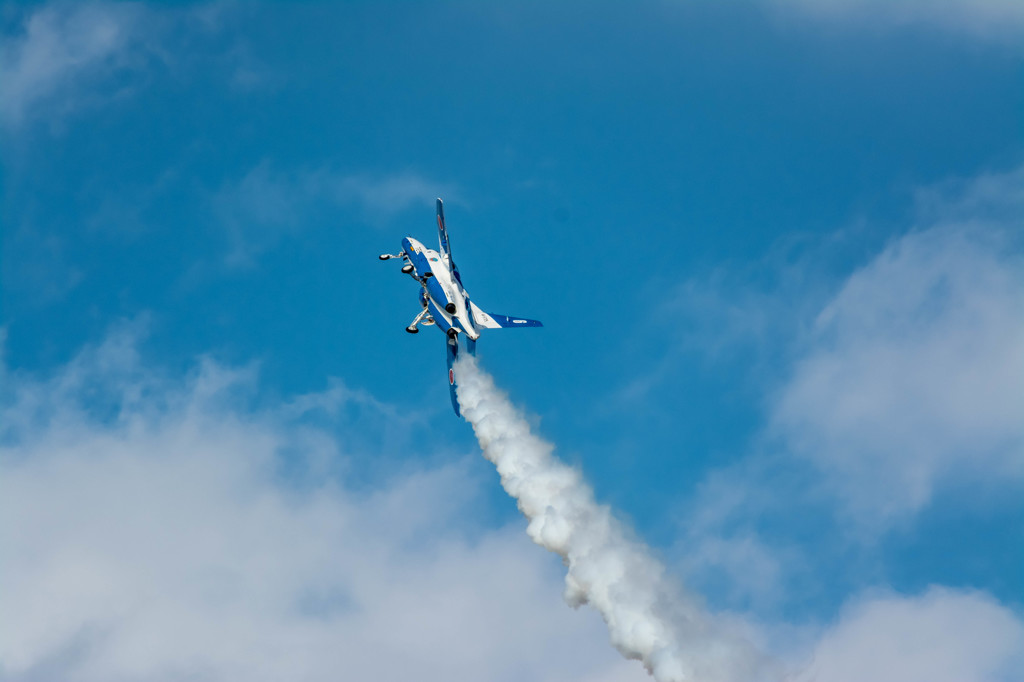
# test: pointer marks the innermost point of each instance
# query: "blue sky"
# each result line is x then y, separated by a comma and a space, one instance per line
776, 246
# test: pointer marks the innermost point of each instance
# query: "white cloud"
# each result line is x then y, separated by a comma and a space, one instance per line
147, 534
940, 636
902, 394
912, 376
995, 20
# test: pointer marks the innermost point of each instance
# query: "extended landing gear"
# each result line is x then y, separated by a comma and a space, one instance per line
407, 269
412, 328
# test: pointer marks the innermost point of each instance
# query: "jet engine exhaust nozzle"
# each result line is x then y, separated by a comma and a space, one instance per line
450, 307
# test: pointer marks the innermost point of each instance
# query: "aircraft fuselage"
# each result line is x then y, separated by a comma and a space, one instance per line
443, 294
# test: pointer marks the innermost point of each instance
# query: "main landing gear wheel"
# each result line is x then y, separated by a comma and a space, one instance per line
413, 330
407, 269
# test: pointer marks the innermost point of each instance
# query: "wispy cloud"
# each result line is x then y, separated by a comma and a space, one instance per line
266, 203
897, 388
988, 20
61, 54
912, 374
388, 194
721, 552
900, 378
63, 57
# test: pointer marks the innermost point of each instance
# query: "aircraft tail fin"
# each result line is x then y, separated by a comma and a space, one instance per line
453, 387
442, 238
496, 321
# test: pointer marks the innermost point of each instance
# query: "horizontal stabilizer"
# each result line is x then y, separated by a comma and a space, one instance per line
496, 321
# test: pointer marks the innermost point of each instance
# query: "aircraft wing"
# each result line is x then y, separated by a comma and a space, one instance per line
496, 321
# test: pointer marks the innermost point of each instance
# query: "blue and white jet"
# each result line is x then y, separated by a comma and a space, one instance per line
445, 301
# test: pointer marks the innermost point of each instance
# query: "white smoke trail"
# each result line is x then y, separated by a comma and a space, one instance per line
648, 618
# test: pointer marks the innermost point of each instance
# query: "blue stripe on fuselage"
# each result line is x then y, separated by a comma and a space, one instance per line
438, 316
436, 292
418, 260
